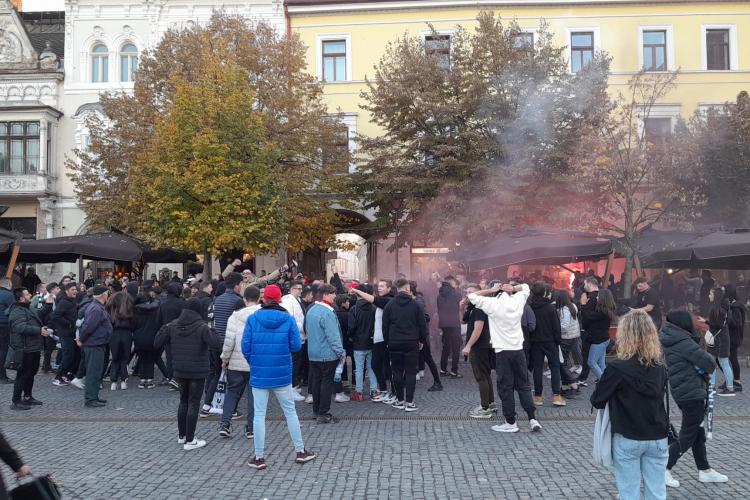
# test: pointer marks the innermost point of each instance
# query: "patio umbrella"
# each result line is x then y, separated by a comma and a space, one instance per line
719, 250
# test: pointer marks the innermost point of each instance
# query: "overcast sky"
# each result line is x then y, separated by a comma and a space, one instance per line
36, 5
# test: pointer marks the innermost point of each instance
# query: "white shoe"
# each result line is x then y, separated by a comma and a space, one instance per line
113, 387
181, 440
341, 398
419, 377
309, 399
711, 476
77, 382
298, 397
534, 425
420, 374
297, 389
506, 427
670, 481
194, 444
123, 385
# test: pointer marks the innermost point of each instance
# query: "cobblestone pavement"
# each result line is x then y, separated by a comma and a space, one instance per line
129, 450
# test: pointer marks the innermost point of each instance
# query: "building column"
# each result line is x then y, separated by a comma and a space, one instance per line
47, 213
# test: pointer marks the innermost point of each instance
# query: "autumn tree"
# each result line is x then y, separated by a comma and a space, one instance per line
302, 137
630, 179
486, 126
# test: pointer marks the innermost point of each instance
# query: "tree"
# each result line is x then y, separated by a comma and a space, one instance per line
478, 135
285, 99
629, 179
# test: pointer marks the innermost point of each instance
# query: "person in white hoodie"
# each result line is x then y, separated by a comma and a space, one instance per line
504, 312
292, 303
235, 364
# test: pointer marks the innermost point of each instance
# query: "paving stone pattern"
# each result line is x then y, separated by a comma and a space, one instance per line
128, 450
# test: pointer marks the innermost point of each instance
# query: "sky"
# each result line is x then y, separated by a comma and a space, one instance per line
42, 5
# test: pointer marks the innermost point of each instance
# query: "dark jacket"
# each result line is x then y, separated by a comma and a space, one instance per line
447, 306
172, 305
206, 300
146, 314
547, 321
224, 305
25, 329
403, 323
63, 318
6, 300
343, 316
96, 329
719, 325
688, 364
595, 323
190, 339
737, 314
635, 394
362, 325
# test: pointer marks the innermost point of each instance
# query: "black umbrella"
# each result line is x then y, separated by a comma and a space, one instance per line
720, 250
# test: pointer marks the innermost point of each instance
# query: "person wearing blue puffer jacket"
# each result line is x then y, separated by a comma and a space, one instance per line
270, 338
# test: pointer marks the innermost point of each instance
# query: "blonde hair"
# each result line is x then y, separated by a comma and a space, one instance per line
637, 338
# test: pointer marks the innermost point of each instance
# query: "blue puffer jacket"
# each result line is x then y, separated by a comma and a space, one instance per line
271, 335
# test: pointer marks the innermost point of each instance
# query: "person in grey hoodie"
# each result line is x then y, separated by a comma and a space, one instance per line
689, 369
449, 321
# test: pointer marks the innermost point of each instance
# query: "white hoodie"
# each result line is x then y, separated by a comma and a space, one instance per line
504, 313
291, 304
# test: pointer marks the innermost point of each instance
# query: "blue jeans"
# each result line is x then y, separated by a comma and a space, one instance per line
363, 359
636, 460
726, 368
597, 354
284, 395
237, 382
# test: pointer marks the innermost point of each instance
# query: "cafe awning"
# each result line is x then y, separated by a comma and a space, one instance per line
718, 250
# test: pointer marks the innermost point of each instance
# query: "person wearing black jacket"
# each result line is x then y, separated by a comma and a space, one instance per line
449, 321
597, 314
190, 339
26, 339
481, 355
737, 315
146, 314
63, 322
13, 460
719, 323
361, 329
425, 354
634, 387
689, 369
169, 310
545, 340
120, 309
405, 333
6, 300
45, 311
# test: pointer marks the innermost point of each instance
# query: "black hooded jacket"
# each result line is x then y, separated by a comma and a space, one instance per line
635, 394
190, 339
737, 313
63, 319
362, 325
547, 321
595, 323
172, 305
404, 325
448, 300
684, 360
146, 314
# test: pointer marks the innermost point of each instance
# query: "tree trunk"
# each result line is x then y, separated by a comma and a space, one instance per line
627, 279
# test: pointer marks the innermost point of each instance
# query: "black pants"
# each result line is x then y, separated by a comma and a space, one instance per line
296, 368
404, 360
539, 351
304, 365
95, 364
191, 390
734, 360
321, 385
512, 374
451, 347
482, 361
425, 357
4, 341
381, 364
49, 346
119, 347
25, 376
214, 374
146, 360
692, 435
70, 357
585, 347
166, 370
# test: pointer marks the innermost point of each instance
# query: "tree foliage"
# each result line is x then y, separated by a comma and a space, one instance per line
297, 140
479, 136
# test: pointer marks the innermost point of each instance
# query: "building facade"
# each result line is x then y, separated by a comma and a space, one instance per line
707, 40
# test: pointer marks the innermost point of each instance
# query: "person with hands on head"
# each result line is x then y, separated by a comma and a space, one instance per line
481, 356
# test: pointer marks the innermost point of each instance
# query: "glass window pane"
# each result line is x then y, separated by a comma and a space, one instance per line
582, 39
133, 66
3, 156
660, 60
95, 69
3, 128
586, 57
334, 47
99, 48
328, 69
32, 129
575, 64
340, 69
105, 69
654, 37
124, 71
648, 61
32, 155
16, 128
16, 156
128, 47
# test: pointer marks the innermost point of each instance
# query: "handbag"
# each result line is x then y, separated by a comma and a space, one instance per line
14, 359
602, 450
672, 435
39, 488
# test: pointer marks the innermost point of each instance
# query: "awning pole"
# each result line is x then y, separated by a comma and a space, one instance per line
13, 259
608, 268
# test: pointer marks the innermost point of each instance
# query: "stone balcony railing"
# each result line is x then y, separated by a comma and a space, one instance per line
25, 184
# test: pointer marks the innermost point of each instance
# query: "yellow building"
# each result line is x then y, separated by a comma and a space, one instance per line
707, 40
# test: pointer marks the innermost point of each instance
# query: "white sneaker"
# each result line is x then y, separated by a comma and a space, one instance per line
711, 476
297, 396
309, 399
420, 374
341, 398
297, 389
113, 387
506, 427
670, 481
77, 382
534, 425
419, 377
181, 440
390, 399
123, 385
194, 444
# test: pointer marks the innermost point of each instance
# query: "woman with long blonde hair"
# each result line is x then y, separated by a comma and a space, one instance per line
634, 387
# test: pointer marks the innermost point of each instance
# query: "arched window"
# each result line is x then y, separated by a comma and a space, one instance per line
99, 63
128, 62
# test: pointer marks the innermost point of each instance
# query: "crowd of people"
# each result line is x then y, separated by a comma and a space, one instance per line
301, 340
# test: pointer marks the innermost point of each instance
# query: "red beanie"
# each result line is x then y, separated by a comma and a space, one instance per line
272, 293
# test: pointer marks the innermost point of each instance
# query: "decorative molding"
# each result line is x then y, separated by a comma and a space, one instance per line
43, 92
25, 184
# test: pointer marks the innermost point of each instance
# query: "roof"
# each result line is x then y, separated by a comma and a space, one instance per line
44, 27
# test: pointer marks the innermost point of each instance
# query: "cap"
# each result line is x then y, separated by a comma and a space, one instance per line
99, 289
272, 293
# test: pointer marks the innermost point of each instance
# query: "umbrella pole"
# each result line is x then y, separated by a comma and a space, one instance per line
13, 259
80, 268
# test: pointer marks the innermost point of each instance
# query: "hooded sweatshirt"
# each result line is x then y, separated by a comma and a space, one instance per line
688, 364
635, 394
190, 339
504, 313
448, 300
404, 324
362, 325
547, 321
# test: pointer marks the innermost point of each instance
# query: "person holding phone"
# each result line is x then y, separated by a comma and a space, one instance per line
27, 340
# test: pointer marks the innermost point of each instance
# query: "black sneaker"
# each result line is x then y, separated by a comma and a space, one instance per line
20, 406
444, 373
204, 413
32, 402
304, 456
725, 392
225, 431
248, 432
455, 375
737, 386
256, 463
328, 419
6, 381
94, 404
435, 387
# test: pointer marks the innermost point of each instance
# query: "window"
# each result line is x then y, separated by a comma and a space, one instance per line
438, 47
334, 60
99, 63
658, 131
19, 148
523, 40
717, 49
24, 225
655, 50
128, 62
581, 49
341, 158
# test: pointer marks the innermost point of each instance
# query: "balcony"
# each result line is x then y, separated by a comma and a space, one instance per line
30, 184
